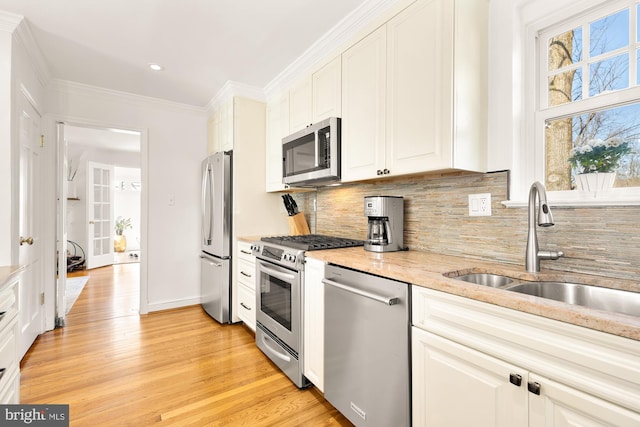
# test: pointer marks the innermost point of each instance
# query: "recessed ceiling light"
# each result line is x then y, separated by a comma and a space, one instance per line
155, 67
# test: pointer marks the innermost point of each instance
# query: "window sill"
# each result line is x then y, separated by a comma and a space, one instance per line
579, 199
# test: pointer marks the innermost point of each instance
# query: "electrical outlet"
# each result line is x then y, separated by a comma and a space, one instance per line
480, 204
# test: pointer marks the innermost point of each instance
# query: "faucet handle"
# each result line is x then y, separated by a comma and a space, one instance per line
550, 254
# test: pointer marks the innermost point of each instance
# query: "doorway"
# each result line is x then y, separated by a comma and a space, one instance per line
104, 186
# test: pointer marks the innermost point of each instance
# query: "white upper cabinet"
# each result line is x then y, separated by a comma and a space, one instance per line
406, 107
300, 105
327, 91
220, 127
363, 106
277, 128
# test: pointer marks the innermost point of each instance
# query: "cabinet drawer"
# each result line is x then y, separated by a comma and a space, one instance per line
247, 273
8, 351
10, 387
8, 304
244, 252
246, 306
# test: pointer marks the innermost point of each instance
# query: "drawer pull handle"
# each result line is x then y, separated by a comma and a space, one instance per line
245, 252
245, 307
245, 274
515, 379
534, 387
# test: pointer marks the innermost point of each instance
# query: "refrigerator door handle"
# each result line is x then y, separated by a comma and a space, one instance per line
211, 262
207, 216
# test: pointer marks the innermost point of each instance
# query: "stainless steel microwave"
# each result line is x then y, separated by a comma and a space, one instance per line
311, 156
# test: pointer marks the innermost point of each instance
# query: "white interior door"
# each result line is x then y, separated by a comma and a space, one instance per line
30, 226
61, 233
100, 231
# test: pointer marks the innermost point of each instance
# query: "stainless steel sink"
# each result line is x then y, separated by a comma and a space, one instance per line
486, 279
595, 297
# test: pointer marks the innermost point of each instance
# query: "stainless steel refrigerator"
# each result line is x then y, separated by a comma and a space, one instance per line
215, 256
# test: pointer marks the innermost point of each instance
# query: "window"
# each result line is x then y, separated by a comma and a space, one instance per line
589, 99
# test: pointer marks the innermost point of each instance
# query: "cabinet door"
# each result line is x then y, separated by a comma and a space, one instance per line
363, 107
419, 76
560, 406
300, 105
456, 386
313, 322
226, 125
277, 128
327, 91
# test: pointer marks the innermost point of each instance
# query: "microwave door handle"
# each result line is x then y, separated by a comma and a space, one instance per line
316, 146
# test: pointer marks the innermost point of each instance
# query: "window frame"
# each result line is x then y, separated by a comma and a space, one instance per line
537, 47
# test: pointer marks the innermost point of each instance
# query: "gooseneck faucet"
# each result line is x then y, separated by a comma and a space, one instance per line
545, 219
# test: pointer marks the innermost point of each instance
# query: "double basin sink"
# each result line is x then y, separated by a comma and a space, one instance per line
599, 298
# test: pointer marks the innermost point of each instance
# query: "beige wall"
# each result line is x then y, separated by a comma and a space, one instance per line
603, 241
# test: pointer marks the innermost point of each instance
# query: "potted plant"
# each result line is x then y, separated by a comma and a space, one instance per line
122, 224
120, 241
596, 161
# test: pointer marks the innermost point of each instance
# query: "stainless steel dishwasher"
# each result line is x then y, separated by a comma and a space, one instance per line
367, 357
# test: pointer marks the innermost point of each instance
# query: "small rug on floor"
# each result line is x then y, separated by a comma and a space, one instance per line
74, 287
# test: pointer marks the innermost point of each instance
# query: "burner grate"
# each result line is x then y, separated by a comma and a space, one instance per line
310, 242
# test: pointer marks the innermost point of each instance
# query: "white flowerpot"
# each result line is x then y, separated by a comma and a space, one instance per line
595, 182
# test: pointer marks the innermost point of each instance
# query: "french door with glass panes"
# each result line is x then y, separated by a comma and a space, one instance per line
100, 231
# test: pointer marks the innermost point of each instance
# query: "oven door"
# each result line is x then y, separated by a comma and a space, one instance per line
278, 302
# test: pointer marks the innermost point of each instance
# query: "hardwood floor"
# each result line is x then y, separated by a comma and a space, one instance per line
175, 367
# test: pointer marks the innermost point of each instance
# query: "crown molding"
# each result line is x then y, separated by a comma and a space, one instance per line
24, 36
9, 21
231, 88
337, 37
132, 98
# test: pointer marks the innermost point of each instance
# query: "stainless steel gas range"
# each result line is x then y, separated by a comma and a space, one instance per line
280, 277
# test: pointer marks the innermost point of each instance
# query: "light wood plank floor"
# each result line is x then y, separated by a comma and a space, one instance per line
176, 367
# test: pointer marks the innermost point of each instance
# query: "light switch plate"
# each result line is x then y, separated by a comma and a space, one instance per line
480, 204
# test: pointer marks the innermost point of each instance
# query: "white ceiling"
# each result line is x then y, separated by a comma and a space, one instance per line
201, 43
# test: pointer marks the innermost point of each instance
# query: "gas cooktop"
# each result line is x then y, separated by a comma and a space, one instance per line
311, 242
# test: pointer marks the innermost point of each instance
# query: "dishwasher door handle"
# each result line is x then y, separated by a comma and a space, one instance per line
375, 297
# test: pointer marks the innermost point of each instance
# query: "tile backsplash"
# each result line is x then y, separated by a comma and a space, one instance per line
602, 241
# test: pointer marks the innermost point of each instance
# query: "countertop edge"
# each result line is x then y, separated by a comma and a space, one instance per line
8, 272
427, 270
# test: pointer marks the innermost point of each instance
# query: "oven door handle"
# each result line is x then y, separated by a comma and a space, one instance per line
266, 340
360, 292
276, 273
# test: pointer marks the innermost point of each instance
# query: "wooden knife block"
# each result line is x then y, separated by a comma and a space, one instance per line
298, 225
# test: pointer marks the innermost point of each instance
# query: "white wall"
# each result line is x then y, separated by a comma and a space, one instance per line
175, 144
5, 148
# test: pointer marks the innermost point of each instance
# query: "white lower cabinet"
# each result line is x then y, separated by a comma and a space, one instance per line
246, 302
479, 364
313, 322
9, 335
456, 386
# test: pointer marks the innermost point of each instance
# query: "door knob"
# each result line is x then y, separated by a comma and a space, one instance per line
28, 241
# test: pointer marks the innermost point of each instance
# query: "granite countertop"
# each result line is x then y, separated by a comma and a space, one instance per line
7, 273
427, 270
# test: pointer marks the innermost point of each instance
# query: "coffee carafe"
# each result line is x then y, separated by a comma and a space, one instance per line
386, 223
